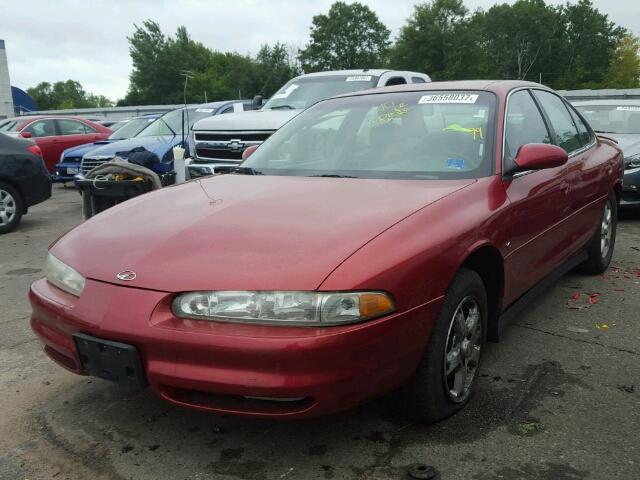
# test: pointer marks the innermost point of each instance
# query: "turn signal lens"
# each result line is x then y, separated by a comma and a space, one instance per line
375, 305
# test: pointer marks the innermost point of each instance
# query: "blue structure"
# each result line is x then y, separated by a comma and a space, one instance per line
22, 101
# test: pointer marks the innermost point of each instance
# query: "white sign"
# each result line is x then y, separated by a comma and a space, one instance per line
629, 108
287, 91
204, 110
449, 98
358, 78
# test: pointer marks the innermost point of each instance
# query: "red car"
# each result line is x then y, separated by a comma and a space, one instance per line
55, 134
373, 242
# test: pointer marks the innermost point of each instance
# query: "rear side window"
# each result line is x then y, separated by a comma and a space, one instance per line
41, 128
418, 80
583, 131
72, 127
524, 124
566, 132
395, 81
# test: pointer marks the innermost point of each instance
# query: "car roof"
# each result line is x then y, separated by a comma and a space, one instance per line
606, 101
366, 71
29, 118
499, 87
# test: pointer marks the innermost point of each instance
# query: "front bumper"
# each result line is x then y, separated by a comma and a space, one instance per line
66, 171
251, 370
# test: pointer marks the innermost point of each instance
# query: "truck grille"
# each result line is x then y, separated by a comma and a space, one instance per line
212, 147
89, 163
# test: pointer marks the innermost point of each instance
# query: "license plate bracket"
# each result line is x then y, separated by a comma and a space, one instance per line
115, 361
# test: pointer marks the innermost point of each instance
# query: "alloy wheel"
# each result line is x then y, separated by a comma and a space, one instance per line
462, 351
606, 230
7, 208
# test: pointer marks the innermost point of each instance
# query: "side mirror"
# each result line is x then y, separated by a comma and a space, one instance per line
538, 156
249, 151
256, 103
26, 134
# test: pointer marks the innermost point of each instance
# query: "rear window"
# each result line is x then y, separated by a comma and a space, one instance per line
10, 126
612, 118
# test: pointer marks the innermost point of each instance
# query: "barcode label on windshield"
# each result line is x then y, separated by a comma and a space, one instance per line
449, 98
629, 108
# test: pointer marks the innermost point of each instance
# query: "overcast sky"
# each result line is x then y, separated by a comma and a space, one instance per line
86, 40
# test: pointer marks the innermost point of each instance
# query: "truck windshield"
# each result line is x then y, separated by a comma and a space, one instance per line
299, 93
171, 123
612, 118
406, 135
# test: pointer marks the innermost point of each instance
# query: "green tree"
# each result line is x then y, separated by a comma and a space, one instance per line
65, 95
274, 67
160, 62
349, 36
521, 40
441, 40
587, 44
624, 67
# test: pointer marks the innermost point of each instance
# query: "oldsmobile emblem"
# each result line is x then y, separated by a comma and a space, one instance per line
126, 275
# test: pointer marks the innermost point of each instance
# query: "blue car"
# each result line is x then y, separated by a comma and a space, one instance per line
70, 158
161, 136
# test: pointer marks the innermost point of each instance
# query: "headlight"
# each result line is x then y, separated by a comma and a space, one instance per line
632, 161
284, 308
63, 276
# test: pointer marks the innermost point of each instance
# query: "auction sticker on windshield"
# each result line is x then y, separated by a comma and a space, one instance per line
358, 78
449, 98
629, 108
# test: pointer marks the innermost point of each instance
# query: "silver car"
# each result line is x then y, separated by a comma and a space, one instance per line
620, 120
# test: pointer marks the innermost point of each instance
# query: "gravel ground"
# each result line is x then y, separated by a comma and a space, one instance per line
557, 399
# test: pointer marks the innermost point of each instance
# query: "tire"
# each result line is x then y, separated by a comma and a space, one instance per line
429, 396
11, 208
600, 248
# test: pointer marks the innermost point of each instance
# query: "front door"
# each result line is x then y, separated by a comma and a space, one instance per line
44, 133
539, 201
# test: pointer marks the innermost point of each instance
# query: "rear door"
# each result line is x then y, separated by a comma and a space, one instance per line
74, 132
44, 133
539, 200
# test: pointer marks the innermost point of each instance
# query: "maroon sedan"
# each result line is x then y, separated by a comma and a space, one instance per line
55, 134
373, 242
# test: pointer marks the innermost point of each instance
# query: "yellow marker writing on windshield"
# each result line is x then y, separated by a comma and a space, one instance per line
455, 127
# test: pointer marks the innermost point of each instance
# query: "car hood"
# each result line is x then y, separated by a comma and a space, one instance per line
158, 145
629, 143
252, 120
236, 232
80, 150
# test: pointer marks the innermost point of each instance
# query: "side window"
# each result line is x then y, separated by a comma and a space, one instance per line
71, 127
583, 130
90, 129
42, 128
561, 121
418, 80
395, 81
524, 124
228, 109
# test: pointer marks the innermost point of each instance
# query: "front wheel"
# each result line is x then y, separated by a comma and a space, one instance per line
600, 249
443, 382
10, 208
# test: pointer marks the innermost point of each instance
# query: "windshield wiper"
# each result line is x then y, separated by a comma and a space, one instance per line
333, 175
240, 170
602, 131
287, 107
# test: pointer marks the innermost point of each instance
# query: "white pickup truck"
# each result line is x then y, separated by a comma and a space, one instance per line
219, 141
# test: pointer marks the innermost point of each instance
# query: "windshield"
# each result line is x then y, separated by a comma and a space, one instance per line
301, 92
412, 135
10, 126
612, 118
171, 123
131, 128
